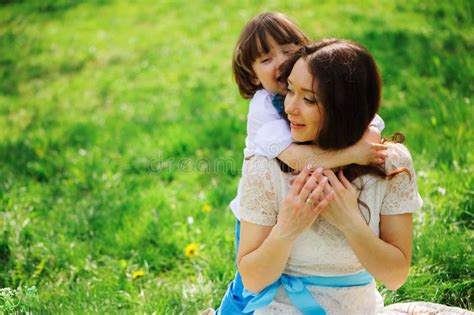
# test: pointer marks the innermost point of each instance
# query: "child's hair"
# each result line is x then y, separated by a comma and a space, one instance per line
253, 42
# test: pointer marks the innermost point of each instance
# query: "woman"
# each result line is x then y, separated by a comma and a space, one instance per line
315, 246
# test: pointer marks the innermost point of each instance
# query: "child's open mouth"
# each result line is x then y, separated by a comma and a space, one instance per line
282, 83
281, 79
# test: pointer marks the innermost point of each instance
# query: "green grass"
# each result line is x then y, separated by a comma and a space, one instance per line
114, 116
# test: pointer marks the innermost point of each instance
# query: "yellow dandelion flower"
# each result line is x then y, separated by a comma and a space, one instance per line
191, 250
207, 208
137, 274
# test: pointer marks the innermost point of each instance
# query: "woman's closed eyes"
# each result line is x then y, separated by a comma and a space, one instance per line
307, 100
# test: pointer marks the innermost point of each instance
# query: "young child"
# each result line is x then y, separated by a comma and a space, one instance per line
264, 45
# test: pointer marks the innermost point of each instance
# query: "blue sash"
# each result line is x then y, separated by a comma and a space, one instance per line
295, 288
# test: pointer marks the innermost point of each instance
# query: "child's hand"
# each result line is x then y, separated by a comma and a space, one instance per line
369, 149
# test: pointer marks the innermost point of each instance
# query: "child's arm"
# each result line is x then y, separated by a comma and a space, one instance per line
273, 139
268, 133
367, 151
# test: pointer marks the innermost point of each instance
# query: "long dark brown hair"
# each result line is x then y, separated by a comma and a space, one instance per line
349, 88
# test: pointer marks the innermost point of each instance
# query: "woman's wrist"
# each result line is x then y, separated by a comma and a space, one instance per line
354, 226
279, 234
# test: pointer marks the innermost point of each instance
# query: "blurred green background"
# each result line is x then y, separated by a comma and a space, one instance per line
121, 137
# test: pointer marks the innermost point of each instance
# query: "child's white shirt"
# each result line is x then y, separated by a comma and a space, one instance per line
268, 134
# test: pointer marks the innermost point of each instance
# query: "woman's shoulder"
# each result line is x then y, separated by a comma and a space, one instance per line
259, 165
259, 192
402, 194
397, 156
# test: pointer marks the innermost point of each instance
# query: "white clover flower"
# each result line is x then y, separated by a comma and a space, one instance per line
190, 220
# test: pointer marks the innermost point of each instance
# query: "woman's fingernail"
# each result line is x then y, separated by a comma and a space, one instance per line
319, 170
309, 166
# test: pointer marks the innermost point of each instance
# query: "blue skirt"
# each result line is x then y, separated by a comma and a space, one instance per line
233, 301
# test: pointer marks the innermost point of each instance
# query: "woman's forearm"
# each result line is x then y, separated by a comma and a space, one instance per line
384, 261
264, 265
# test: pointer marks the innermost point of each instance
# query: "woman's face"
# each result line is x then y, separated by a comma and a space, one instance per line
302, 105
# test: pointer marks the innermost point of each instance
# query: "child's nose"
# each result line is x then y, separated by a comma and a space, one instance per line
281, 58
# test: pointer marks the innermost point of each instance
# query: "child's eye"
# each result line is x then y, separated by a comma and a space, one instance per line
289, 49
289, 91
265, 60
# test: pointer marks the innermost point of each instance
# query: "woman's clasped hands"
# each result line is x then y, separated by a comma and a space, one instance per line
315, 193
343, 210
308, 196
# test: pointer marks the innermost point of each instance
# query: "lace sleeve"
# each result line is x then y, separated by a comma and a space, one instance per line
402, 192
258, 200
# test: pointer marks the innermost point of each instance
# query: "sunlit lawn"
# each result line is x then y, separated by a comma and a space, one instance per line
121, 137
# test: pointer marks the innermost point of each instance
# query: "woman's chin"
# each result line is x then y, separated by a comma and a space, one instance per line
298, 137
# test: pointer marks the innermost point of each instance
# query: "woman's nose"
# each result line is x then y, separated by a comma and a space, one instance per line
290, 105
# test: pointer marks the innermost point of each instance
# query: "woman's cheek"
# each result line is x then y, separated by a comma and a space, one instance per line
314, 127
314, 133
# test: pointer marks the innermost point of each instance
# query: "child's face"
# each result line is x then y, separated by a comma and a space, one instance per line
266, 67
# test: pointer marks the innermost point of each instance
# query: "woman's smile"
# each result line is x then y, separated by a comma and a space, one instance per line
296, 126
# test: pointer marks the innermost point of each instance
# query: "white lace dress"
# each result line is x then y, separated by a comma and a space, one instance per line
322, 249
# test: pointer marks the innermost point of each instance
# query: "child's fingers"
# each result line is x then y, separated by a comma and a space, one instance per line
378, 147
378, 161
380, 155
